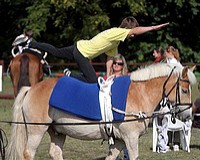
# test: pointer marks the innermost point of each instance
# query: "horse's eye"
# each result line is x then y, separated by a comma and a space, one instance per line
184, 91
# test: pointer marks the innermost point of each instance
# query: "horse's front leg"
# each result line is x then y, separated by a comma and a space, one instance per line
132, 146
115, 149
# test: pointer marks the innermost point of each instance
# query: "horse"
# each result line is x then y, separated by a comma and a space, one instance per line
25, 70
147, 88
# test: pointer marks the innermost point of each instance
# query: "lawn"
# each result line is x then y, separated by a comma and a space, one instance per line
93, 150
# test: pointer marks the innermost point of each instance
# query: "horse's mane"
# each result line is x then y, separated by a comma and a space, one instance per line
160, 70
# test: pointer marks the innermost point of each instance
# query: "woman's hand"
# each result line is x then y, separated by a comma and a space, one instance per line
158, 27
140, 30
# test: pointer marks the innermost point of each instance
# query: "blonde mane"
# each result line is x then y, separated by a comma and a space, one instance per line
159, 70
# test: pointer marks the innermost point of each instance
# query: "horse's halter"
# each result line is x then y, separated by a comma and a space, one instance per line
177, 101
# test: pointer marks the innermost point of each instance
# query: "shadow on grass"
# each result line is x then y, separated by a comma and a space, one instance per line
100, 158
195, 146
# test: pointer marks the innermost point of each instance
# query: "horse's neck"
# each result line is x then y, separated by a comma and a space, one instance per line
145, 95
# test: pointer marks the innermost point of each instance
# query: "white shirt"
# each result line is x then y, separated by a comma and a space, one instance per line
174, 62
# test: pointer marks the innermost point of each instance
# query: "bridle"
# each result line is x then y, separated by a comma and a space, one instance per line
165, 100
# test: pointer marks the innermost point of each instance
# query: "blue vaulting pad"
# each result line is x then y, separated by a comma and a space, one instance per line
76, 97
119, 91
82, 99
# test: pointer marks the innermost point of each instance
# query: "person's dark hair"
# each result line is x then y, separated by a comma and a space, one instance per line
159, 50
173, 43
28, 32
196, 105
197, 102
129, 22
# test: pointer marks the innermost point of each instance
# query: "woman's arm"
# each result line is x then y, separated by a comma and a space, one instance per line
109, 63
141, 30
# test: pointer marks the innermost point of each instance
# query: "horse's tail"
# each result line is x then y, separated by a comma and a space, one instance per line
24, 72
18, 132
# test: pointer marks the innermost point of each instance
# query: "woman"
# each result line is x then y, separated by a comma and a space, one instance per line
157, 53
105, 42
119, 68
172, 56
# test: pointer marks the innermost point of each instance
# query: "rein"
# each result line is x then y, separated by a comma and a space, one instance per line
156, 114
96, 122
141, 115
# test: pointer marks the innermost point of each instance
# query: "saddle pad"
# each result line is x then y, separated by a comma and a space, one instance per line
82, 99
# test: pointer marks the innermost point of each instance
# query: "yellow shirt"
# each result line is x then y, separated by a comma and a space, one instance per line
104, 42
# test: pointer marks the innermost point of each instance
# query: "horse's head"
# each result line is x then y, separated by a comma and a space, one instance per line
162, 81
25, 70
179, 90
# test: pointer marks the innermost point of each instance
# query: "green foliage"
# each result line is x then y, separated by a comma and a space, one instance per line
183, 28
63, 22
137, 6
38, 15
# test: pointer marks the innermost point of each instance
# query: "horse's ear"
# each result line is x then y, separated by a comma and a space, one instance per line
193, 68
184, 72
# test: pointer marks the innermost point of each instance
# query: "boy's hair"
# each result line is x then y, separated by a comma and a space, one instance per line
129, 23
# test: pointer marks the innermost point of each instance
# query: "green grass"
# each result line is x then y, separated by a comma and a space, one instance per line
93, 150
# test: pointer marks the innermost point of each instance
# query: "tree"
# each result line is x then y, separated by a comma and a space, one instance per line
64, 22
11, 13
184, 30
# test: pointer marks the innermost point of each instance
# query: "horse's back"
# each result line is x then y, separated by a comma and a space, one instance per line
43, 88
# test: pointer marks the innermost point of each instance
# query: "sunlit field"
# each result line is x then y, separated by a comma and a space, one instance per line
94, 150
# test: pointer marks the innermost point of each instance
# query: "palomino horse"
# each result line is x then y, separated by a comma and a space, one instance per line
25, 70
146, 90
